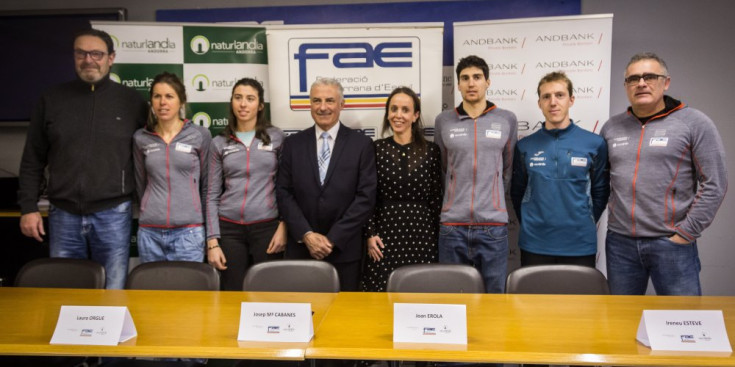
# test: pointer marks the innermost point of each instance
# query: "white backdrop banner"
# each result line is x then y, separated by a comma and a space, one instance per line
521, 51
369, 60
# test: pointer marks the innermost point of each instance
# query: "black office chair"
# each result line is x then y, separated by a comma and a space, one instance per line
292, 276
436, 278
556, 279
56, 272
174, 276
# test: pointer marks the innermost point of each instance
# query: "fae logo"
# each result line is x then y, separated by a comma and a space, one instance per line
200, 82
202, 119
365, 53
199, 45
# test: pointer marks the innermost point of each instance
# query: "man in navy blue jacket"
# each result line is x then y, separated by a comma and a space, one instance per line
560, 183
326, 187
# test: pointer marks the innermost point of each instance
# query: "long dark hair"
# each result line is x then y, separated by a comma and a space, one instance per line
417, 128
175, 83
261, 123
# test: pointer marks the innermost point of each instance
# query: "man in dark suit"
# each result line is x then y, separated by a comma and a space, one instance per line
326, 187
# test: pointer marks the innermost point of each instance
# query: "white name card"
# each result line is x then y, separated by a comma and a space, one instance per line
279, 322
684, 330
93, 325
429, 323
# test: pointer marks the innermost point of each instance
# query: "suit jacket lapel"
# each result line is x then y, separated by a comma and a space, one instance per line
339, 145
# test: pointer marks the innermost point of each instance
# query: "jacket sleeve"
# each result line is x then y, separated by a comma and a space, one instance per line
708, 157
508, 152
362, 205
440, 143
600, 180
204, 171
436, 182
34, 161
288, 207
214, 189
519, 182
371, 228
141, 177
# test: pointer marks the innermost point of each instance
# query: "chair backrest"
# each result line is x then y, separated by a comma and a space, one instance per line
56, 272
556, 279
292, 276
174, 276
436, 278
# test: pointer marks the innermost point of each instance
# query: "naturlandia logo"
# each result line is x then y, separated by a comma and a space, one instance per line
132, 83
145, 45
199, 45
202, 83
204, 119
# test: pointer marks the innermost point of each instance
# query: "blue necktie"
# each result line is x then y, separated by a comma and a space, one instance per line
324, 156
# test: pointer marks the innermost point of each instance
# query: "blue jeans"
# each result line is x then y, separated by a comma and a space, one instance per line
171, 244
484, 247
103, 236
673, 268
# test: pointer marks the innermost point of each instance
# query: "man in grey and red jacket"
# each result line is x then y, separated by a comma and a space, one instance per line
476, 140
668, 178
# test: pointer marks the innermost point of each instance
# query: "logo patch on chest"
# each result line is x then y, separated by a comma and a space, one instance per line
579, 161
658, 142
184, 148
493, 134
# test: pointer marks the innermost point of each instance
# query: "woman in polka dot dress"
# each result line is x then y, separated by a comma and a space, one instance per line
404, 227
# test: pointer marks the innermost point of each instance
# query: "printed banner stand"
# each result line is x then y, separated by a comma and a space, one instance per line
684, 330
429, 323
275, 322
93, 325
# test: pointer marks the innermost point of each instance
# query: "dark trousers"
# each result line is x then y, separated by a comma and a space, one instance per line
529, 258
349, 276
243, 246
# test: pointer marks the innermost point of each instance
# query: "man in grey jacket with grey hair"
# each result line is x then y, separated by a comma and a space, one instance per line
668, 178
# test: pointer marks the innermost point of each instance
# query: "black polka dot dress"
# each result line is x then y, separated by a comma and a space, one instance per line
406, 216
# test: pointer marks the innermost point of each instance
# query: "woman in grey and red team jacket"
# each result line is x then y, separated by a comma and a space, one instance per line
170, 156
242, 215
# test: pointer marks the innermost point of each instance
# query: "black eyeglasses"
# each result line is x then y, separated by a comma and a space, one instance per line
648, 78
95, 55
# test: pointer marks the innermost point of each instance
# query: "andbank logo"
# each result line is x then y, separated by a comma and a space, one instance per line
587, 92
200, 82
199, 45
115, 78
506, 94
202, 119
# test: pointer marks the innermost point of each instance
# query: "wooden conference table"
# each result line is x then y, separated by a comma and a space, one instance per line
185, 324
551, 329
507, 328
